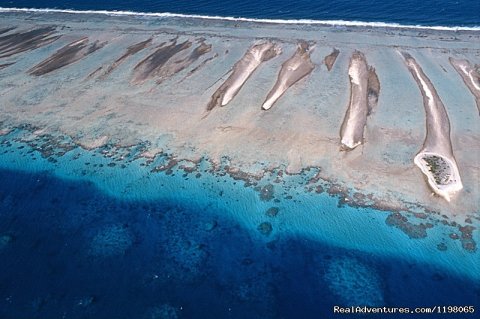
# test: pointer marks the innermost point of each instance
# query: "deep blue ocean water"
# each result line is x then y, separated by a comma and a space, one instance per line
81, 238
408, 12
175, 259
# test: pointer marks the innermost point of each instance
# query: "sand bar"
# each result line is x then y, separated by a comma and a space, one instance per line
292, 71
364, 91
356, 115
331, 58
435, 159
470, 75
241, 71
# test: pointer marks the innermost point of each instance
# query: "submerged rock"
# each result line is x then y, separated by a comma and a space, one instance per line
412, 230
442, 247
267, 192
272, 211
86, 301
265, 228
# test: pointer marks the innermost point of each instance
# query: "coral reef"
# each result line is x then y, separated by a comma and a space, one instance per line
412, 230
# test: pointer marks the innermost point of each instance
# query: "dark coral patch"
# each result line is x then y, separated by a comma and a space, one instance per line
412, 230
267, 192
265, 228
272, 211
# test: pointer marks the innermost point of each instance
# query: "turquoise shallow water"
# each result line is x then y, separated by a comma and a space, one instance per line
88, 235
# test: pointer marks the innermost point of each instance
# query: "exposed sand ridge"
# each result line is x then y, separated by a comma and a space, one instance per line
435, 159
331, 58
292, 71
364, 91
241, 71
470, 75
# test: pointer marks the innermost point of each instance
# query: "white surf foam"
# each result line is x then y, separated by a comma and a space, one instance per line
240, 19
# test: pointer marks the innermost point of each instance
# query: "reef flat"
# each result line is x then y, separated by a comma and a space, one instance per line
290, 131
162, 78
104, 85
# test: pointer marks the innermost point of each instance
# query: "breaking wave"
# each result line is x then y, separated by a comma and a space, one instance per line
338, 23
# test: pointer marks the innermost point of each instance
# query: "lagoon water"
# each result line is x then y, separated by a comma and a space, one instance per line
100, 232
